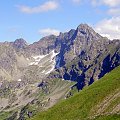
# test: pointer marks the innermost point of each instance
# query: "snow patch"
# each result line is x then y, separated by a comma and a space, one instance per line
54, 62
32, 63
53, 55
36, 59
27, 59
52, 68
19, 80
39, 57
43, 71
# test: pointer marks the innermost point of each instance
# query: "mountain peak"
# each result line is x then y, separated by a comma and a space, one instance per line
20, 43
20, 40
84, 25
84, 29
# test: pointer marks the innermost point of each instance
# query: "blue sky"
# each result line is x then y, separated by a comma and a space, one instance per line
33, 19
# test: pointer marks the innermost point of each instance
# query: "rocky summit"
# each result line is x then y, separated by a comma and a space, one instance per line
33, 77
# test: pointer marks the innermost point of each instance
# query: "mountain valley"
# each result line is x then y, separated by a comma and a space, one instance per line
34, 77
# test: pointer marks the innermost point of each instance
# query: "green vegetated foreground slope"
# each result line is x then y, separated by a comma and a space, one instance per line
100, 101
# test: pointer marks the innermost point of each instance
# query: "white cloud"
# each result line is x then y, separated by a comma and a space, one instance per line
114, 11
111, 3
109, 28
76, 1
49, 31
49, 5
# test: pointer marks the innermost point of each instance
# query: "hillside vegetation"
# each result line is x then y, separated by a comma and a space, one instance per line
100, 101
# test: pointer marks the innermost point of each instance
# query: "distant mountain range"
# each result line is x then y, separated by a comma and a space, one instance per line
32, 74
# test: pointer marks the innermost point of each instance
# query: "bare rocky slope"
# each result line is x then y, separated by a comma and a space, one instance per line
35, 75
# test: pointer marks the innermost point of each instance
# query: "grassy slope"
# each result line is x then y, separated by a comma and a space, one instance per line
99, 99
3, 115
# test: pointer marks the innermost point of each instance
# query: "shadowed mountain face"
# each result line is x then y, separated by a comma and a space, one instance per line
80, 55
85, 56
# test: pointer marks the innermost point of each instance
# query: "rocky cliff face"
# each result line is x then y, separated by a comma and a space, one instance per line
83, 40
86, 71
85, 56
42, 47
